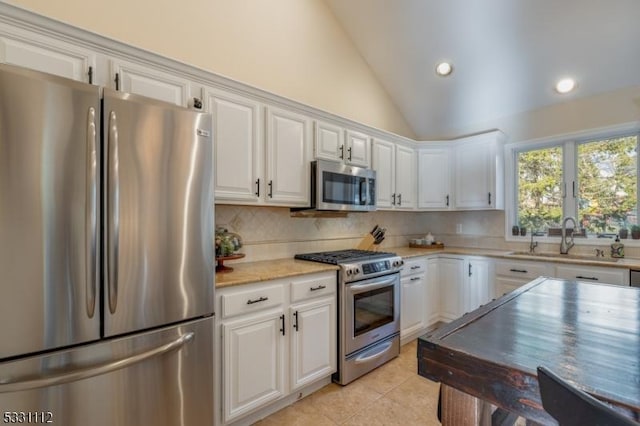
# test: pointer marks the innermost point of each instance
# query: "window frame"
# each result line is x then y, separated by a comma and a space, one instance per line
569, 143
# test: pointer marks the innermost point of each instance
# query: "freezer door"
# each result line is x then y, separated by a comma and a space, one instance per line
159, 246
49, 139
160, 378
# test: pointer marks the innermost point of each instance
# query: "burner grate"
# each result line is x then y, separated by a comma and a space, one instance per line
343, 256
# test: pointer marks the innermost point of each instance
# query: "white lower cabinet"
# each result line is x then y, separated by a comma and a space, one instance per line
253, 362
511, 274
432, 309
313, 341
451, 277
618, 276
413, 296
465, 284
478, 287
277, 337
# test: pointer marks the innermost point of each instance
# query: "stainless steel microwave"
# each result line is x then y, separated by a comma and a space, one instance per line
336, 186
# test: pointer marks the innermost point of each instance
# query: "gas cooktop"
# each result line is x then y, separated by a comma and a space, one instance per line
344, 256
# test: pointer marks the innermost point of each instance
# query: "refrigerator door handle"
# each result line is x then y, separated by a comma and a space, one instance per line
113, 213
91, 221
6, 385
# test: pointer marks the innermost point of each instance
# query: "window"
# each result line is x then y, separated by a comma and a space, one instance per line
593, 180
607, 184
539, 188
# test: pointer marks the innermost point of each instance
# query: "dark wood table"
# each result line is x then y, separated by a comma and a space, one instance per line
589, 334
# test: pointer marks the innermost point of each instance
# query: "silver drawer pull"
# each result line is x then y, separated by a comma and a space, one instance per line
580, 277
320, 287
261, 299
415, 278
415, 267
522, 271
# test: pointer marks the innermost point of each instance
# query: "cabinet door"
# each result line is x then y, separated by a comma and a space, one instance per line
473, 176
140, 80
432, 294
328, 142
477, 290
405, 177
288, 169
357, 149
313, 341
593, 274
252, 363
237, 126
384, 163
412, 310
434, 173
451, 274
45, 54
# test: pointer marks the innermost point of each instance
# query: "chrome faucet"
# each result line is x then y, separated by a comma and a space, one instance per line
566, 244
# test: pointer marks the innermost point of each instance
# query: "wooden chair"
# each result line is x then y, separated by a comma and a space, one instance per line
573, 407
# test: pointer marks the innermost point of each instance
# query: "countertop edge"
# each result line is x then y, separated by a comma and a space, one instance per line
266, 270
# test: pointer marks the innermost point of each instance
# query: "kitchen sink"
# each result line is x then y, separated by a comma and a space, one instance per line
558, 256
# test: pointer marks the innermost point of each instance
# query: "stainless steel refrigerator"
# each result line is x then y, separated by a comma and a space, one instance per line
106, 256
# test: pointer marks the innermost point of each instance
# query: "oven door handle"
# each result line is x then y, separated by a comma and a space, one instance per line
372, 286
378, 351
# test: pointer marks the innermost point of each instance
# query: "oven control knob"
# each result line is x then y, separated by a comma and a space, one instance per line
348, 272
356, 271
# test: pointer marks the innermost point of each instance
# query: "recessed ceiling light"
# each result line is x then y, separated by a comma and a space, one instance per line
565, 85
443, 69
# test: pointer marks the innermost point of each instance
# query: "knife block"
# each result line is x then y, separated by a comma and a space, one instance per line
367, 243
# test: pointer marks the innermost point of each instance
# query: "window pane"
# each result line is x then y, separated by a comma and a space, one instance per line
607, 184
539, 183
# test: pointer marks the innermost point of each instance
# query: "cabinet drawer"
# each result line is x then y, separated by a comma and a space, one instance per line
252, 300
414, 266
519, 269
593, 274
308, 288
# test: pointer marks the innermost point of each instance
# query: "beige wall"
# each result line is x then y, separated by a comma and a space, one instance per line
292, 48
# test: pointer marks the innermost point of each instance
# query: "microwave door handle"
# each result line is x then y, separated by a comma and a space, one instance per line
363, 192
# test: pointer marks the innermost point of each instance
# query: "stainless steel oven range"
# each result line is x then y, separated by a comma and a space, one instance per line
368, 309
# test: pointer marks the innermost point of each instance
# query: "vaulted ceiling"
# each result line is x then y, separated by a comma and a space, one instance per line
507, 54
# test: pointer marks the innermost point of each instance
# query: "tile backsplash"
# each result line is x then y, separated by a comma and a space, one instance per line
271, 232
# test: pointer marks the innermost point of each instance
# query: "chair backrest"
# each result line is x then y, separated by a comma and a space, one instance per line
571, 406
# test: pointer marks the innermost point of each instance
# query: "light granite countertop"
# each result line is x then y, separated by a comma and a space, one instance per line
250, 272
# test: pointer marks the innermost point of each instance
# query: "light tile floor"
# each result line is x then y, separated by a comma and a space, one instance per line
393, 394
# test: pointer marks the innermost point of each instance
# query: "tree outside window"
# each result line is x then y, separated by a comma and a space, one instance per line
602, 193
607, 184
539, 188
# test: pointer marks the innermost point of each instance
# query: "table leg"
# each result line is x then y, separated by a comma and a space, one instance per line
461, 409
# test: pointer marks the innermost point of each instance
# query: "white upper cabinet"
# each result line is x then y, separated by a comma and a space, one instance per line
288, 159
134, 78
434, 178
328, 141
45, 54
357, 149
479, 172
384, 163
395, 167
238, 147
333, 143
405, 177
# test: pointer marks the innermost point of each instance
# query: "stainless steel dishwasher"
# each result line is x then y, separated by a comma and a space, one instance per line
634, 278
